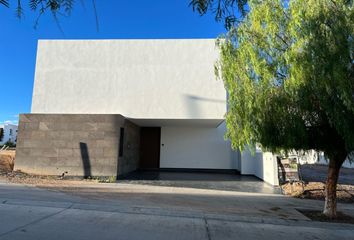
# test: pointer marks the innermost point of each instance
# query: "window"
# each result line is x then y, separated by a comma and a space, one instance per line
121, 141
10, 132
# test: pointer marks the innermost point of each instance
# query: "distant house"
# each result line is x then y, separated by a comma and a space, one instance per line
109, 107
9, 133
313, 157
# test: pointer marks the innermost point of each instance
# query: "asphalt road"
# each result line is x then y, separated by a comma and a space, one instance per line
318, 173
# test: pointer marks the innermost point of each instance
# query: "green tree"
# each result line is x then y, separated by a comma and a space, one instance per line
289, 72
56, 7
229, 11
9, 143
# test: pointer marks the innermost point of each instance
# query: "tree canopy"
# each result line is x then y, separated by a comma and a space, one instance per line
229, 11
58, 8
289, 72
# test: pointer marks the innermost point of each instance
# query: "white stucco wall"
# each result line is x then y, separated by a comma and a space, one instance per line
194, 147
261, 164
136, 78
247, 162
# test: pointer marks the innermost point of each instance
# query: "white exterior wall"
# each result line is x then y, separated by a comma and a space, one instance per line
149, 79
260, 164
196, 148
10, 133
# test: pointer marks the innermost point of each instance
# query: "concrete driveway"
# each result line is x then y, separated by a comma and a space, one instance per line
201, 180
130, 211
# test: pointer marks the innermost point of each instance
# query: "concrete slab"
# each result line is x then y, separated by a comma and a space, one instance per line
223, 230
201, 180
15, 216
80, 224
128, 211
68, 223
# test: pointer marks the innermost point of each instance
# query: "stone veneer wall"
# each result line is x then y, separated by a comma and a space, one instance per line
79, 144
131, 152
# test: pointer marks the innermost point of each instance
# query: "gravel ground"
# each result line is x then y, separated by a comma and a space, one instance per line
315, 190
314, 177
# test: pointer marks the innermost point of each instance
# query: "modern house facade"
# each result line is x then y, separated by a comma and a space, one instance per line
109, 107
9, 133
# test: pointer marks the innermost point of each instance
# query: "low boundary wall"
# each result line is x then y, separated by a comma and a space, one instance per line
76, 145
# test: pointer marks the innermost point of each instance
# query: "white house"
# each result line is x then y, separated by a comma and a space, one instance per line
313, 157
165, 87
9, 133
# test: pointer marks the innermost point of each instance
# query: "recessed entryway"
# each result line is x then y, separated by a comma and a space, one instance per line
150, 139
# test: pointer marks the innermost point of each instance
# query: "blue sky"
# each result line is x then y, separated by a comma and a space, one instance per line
117, 19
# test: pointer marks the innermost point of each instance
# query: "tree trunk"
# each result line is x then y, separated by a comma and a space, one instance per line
330, 208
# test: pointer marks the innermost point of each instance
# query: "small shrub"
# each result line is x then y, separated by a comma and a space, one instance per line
10, 144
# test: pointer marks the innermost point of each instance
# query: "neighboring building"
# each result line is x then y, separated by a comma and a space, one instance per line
10, 133
313, 157
108, 107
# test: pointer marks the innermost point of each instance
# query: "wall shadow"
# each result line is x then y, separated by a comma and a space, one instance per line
193, 104
85, 159
282, 178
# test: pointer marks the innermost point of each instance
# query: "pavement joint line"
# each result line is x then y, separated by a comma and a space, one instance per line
207, 228
197, 215
34, 222
8, 202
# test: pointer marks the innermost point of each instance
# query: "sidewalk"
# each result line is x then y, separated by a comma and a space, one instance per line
128, 211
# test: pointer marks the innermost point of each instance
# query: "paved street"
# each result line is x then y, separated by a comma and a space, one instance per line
128, 211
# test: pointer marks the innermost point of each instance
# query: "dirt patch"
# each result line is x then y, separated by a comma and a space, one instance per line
320, 217
47, 181
313, 185
7, 161
315, 190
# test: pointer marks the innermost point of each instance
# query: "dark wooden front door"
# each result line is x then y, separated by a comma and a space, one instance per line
150, 147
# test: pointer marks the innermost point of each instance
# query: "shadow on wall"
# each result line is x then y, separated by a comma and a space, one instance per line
260, 164
282, 168
193, 104
85, 160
